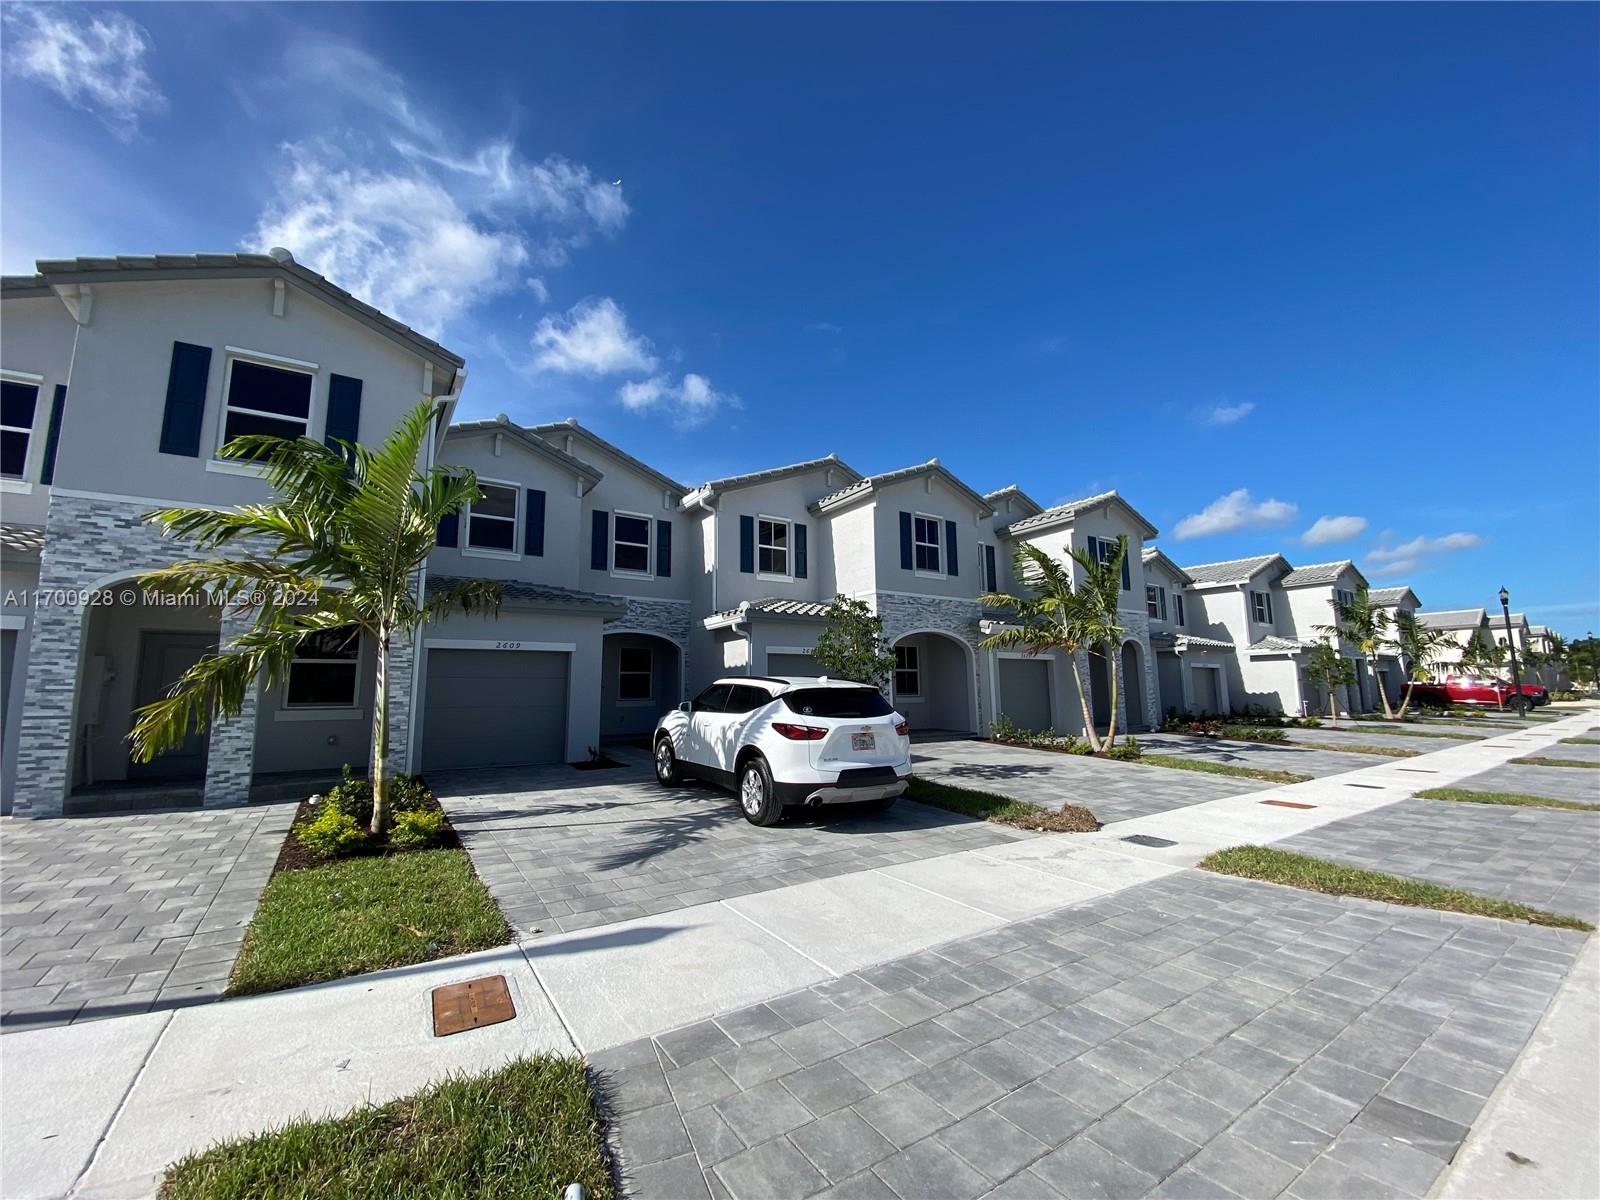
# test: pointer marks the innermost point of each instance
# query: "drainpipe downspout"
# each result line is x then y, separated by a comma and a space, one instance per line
703, 503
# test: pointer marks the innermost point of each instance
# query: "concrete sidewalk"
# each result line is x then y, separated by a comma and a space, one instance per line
101, 1109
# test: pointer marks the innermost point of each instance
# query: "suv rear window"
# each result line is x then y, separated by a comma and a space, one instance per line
848, 703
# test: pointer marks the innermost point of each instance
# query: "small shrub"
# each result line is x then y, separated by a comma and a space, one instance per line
416, 828
353, 795
1127, 752
1074, 746
333, 833
1248, 733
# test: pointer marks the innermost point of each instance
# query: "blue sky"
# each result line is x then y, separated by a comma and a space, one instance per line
1308, 278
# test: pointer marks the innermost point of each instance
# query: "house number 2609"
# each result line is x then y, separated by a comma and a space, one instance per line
508, 645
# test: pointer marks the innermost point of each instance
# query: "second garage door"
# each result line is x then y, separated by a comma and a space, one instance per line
494, 708
1025, 692
791, 664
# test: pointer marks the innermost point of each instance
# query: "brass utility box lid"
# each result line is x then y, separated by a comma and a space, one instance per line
1288, 804
471, 1005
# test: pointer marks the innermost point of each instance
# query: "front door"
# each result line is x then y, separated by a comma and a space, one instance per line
163, 658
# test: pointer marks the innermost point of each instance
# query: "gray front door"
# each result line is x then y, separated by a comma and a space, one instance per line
494, 708
1025, 692
1203, 683
163, 657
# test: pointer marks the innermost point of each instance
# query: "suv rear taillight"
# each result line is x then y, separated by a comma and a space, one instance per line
903, 728
799, 733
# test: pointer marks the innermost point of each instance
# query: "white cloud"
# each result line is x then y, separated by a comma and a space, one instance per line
1418, 548
1326, 530
1396, 569
1228, 414
1234, 511
691, 402
94, 61
824, 327
592, 339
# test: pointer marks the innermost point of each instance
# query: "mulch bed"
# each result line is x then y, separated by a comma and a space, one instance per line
298, 857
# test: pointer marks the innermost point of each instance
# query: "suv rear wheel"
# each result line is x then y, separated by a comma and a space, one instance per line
756, 801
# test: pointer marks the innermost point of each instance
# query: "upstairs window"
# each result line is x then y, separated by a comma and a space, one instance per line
1261, 607
630, 544
1155, 602
1103, 551
926, 533
273, 400
492, 518
18, 402
1345, 598
907, 672
773, 540
634, 674
323, 673
1177, 607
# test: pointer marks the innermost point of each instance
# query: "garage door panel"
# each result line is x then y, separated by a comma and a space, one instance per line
791, 664
1025, 692
494, 708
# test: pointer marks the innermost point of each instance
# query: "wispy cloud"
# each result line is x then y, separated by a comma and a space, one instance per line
1418, 548
94, 61
825, 327
1234, 511
1227, 414
593, 338
1327, 530
690, 402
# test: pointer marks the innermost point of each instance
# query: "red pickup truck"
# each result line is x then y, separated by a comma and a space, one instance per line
1478, 690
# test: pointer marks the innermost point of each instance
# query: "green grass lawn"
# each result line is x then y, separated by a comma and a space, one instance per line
1335, 879
528, 1129
1399, 729
1533, 760
1580, 741
365, 914
1179, 763
1520, 799
1381, 751
1070, 818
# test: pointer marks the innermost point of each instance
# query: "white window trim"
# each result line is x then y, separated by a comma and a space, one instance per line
650, 674
233, 354
1156, 595
787, 548
649, 545
937, 543
918, 696
324, 712
23, 484
468, 550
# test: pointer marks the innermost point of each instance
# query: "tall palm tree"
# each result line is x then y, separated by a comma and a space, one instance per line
1057, 613
1366, 627
1419, 649
339, 548
1102, 590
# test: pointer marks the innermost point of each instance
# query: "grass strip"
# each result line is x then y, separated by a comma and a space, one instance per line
1401, 730
1534, 760
1380, 751
1580, 741
1069, 818
365, 914
528, 1129
1335, 879
1520, 799
1179, 763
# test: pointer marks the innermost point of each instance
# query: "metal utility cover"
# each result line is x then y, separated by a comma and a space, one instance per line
1144, 839
471, 1004
1288, 804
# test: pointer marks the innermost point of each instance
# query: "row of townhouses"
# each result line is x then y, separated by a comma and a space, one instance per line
625, 591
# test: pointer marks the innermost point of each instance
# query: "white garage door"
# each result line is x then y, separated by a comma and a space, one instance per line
1025, 692
494, 708
791, 664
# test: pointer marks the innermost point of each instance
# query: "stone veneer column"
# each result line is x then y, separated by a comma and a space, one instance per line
231, 741
956, 617
44, 746
402, 665
658, 618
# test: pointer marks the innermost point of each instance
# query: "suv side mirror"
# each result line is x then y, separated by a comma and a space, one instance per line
686, 706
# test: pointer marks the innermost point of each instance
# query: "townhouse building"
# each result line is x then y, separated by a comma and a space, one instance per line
1464, 628
1392, 671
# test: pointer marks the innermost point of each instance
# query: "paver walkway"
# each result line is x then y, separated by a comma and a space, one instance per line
105, 916
1194, 1036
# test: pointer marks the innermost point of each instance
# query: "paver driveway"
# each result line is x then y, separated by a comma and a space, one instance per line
1302, 760
562, 850
1193, 1036
104, 916
1560, 783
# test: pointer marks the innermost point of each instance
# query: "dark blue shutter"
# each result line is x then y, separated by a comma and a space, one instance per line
533, 524
1178, 600
449, 532
600, 540
186, 399
664, 549
1127, 582
344, 414
799, 551
991, 579
1094, 548
950, 546
905, 541
747, 545
52, 436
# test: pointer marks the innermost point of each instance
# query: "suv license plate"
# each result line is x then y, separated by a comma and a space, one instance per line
863, 741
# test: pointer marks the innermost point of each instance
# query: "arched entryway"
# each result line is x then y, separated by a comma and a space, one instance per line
935, 683
641, 678
1133, 687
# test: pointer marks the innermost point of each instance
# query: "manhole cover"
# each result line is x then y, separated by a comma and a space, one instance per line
1144, 839
1288, 804
471, 1005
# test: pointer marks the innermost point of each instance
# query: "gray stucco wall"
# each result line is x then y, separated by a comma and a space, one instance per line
38, 341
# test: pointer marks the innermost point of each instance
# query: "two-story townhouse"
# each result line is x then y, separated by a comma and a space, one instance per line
762, 564
1552, 674
1094, 524
1240, 601
171, 357
1392, 672
1311, 595
1191, 668
913, 544
1465, 627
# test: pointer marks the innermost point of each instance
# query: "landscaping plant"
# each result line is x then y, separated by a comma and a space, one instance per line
1419, 649
1326, 667
336, 552
852, 646
1366, 627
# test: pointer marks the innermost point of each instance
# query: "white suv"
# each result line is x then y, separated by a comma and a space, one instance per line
782, 740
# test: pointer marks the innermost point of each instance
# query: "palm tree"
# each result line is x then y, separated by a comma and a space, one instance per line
1366, 627
1057, 613
1325, 666
1419, 649
1102, 589
338, 549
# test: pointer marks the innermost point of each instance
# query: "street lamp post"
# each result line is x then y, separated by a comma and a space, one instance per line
1511, 648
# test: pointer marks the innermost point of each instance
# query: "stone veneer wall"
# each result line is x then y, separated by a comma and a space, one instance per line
659, 618
903, 614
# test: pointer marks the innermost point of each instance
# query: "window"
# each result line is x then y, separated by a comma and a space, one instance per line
1103, 551
1261, 607
743, 698
1177, 602
907, 671
991, 577
1155, 602
630, 544
634, 674
323, 673
926, 545
772, 547
258, 398
1344, 598
848, 704
492, 519
714, 699
17, 404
